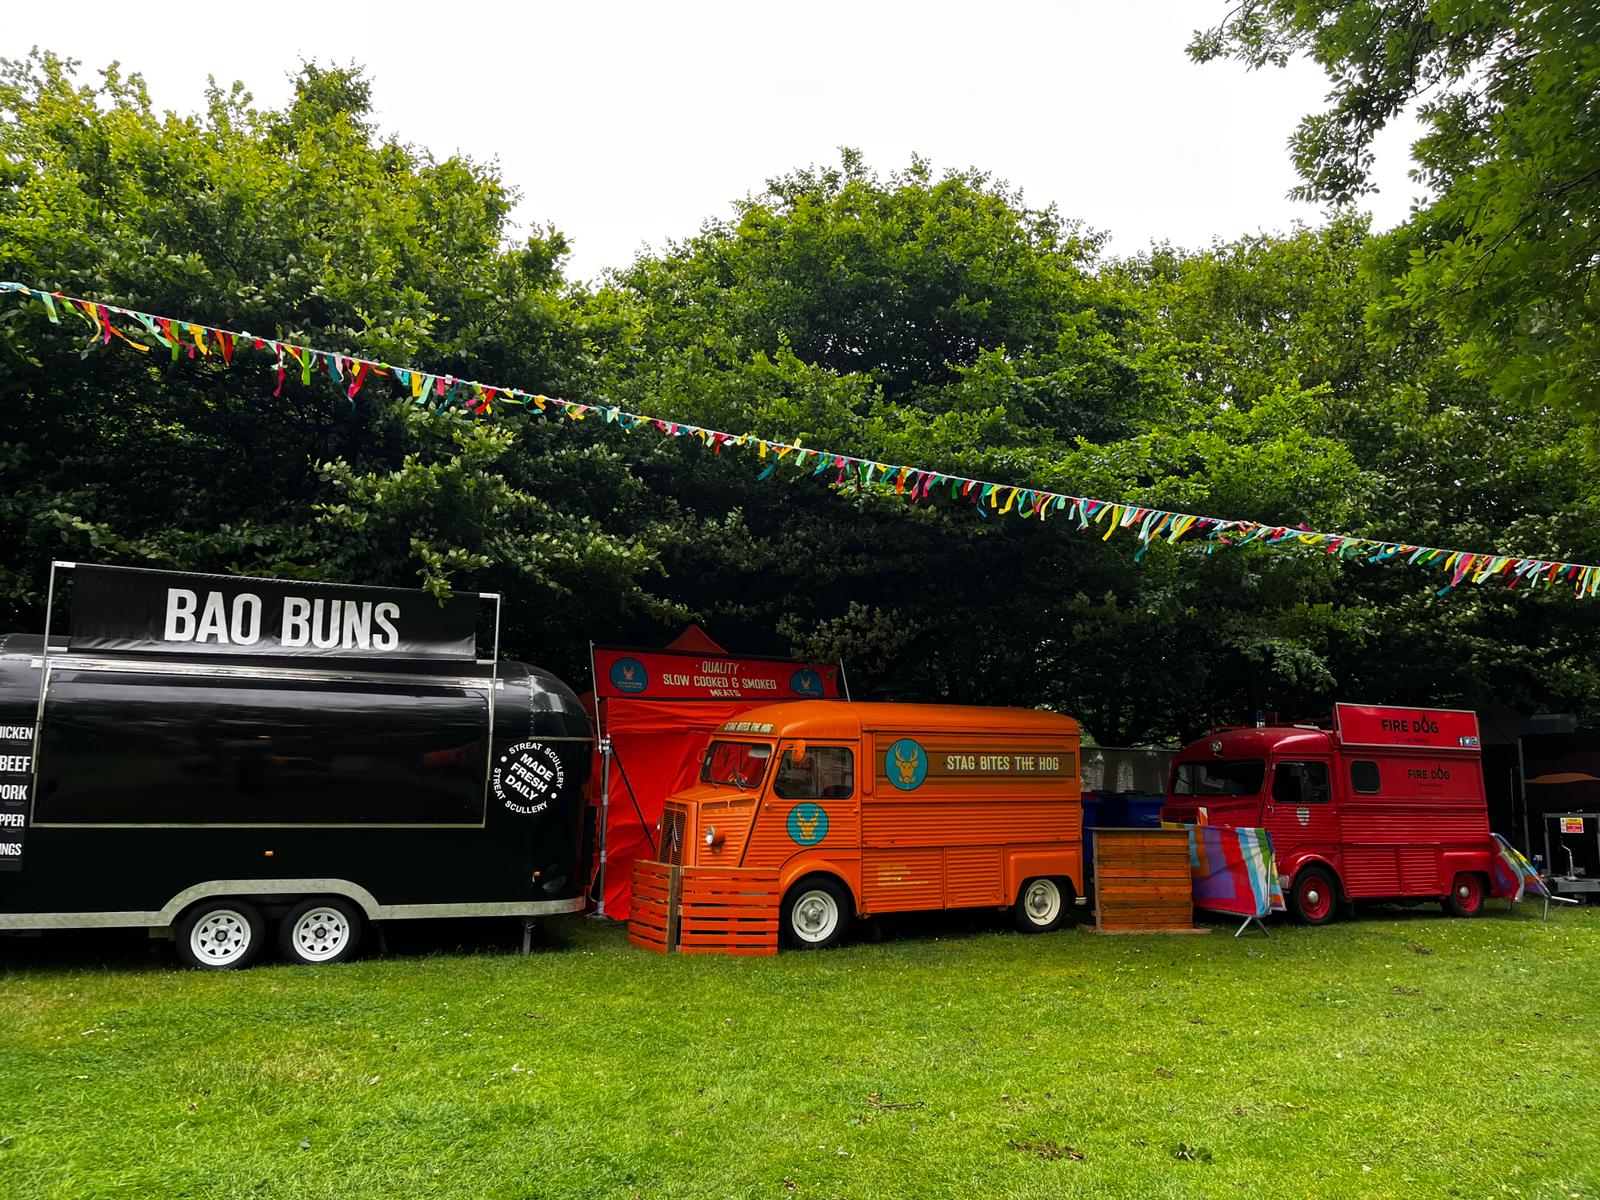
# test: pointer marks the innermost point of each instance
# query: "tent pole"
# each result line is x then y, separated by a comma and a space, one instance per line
605, 816
605, 781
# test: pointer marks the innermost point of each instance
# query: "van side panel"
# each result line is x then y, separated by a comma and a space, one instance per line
1403, 839
949, 812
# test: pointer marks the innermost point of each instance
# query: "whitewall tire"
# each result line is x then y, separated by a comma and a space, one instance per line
816, 912
1041, 905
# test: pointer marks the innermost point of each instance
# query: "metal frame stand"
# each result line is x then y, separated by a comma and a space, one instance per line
1246, 925
605, 821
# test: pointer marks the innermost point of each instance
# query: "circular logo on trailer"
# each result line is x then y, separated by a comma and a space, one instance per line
527, 777
906, 764
806, 682
808, 824
1303, 815
629, 675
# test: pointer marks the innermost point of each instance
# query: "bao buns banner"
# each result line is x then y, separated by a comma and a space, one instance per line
127, 609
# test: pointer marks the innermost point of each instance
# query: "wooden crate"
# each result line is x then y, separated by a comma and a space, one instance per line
1142, 881
650, 918
704, 910
726, 910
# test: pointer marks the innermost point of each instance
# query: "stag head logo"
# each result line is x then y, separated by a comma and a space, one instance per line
906, 764
807, 824
629, 675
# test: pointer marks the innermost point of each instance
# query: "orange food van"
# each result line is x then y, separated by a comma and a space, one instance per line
877, 808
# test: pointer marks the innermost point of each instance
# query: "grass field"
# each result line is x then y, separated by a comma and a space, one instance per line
1404, 1054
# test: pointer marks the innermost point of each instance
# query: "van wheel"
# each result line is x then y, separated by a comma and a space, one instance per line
220, 935
325, 930
1466, 896
1041, 905
1314, 897
815, 913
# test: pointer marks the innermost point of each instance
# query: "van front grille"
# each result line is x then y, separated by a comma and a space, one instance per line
674, 822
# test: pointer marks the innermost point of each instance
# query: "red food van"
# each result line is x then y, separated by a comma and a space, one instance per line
1386, 804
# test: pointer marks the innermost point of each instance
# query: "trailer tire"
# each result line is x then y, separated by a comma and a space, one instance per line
816, 911
1466, 896
321, 930
1042, 904
1314, 898
220, 934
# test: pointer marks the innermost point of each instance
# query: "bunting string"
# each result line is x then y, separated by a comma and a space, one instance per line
148, 333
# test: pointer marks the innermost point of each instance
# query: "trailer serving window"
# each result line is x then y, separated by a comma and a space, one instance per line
135, 748
1219, 777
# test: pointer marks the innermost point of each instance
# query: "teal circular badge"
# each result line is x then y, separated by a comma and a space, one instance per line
906, 764
808, 824
805, 682
629, 675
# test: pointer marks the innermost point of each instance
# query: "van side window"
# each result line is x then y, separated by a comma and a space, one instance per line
1364, 776
1300, 783
825, 773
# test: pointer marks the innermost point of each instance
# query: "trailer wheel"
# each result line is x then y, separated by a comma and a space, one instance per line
1466, 896
1041, 905
1314, 897
320, 930
815, 913
220, 935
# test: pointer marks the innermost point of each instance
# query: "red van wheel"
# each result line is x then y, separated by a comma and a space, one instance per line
1313, 896
1466, 896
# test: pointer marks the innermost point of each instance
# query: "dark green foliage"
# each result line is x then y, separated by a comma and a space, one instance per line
934, 320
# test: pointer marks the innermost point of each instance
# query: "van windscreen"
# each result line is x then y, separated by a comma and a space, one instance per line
741, 764
1219, 777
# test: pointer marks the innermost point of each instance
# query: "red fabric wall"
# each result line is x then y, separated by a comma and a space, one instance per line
656, 749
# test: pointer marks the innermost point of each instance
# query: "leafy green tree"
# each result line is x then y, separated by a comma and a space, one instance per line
1502, 258
299, 224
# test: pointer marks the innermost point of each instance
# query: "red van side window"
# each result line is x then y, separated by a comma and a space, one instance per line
1364, 777
1300, 783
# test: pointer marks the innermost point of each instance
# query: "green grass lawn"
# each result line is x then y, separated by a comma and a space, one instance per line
1404, 1054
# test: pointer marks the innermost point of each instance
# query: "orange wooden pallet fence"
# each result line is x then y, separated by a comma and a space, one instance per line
1142, 881
704, 910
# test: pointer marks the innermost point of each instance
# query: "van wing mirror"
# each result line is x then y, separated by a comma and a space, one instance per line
797, 752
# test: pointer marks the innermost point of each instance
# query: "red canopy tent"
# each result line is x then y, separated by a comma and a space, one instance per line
658, 709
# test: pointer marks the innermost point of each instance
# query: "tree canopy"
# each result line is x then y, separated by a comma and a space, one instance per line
1504, 254
917, 317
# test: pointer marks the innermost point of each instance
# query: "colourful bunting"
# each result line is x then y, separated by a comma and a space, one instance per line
1148, 524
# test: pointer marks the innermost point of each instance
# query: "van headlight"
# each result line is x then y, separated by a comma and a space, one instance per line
713, 838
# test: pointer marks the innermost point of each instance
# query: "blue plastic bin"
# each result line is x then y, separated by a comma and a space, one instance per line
1091, 818
1142, 812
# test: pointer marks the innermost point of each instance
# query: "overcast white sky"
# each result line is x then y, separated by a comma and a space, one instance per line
625, 124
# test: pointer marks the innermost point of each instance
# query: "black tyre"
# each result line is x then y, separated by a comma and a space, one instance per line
1314, 897
1042, 904
1466, 896
220, 935
816, 912
321, 930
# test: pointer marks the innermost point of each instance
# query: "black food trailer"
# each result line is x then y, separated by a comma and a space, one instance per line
205, 755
